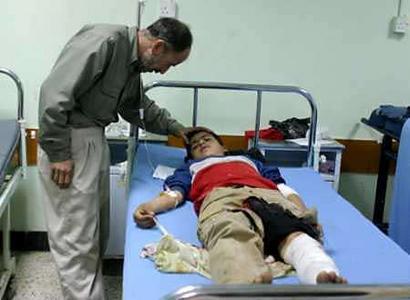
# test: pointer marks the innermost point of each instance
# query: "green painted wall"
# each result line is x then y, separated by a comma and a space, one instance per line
342, 52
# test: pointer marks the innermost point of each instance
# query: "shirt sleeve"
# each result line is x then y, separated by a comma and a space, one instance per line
156, 119
80, 63
180, 181
270, 172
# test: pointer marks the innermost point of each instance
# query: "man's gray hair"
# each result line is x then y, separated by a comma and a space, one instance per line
175, 33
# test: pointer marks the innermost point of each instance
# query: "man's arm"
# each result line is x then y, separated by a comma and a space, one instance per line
80, 63
144, 214
155, 119
82, 60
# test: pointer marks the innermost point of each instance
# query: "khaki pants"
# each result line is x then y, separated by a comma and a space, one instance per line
77, 217
234, 242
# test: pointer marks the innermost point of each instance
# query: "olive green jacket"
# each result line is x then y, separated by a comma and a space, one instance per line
95, 78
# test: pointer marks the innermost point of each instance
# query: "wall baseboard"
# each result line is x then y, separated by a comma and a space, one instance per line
29, 241
31, 144
359, 156
38, 241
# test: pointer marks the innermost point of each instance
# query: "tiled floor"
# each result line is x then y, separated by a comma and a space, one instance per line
36, 279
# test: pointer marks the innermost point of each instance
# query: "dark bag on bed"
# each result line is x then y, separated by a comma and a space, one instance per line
390, 118
292, 128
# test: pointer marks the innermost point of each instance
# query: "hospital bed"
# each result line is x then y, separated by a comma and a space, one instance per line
12, 169
363, 253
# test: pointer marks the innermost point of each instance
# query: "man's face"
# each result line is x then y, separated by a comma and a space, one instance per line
159, 59
203, 144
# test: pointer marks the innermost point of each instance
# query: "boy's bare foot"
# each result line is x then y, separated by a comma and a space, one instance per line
330, 277
265, 277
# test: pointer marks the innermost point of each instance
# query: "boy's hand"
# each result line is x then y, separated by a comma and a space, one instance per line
319, 228
144, 215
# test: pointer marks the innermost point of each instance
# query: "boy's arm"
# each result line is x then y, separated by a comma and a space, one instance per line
144, 213
291, 195
272, 173
269, 172
176, 187
294, 197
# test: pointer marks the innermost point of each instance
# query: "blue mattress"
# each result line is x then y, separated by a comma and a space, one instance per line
363, 253
9, 135
400, 208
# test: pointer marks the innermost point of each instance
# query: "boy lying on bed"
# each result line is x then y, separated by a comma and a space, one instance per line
245, 212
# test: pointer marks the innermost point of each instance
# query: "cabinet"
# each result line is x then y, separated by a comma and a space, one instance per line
118, 211
388, 155
290, 154
119, 171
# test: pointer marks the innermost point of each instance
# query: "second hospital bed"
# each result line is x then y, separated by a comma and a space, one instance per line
12, 169
363, 253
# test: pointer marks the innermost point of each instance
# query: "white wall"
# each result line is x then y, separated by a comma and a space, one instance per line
340, 51
27, 213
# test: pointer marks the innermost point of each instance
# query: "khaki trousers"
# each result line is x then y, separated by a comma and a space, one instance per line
77, 217
234, 235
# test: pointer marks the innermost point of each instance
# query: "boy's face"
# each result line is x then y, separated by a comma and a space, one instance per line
204, 144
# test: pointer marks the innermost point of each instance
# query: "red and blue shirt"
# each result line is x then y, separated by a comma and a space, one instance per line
197, 178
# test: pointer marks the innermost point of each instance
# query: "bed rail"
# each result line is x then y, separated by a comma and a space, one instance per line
20, 93
259, 89
20, 116
7, 262
336, 291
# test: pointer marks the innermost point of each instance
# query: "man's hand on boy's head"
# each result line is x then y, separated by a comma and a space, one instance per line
144, 215
182, 134
188, 132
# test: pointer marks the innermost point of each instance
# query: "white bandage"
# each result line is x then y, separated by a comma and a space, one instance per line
172, 194
308, 257
286, 190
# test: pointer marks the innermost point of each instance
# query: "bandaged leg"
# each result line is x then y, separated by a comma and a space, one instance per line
309, 259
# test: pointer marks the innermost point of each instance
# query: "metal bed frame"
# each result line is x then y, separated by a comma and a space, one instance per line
10, 185
312, 150
254, 292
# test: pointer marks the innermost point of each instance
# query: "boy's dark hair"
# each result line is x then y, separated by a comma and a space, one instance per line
172, 31
191, 132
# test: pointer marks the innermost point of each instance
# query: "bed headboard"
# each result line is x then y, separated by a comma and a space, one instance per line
20, 94
259, 89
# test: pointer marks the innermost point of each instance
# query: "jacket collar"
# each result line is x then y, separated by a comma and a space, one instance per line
134, 60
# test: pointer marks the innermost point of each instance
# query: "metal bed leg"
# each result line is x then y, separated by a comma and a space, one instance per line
381, 186
8, 261
8, 264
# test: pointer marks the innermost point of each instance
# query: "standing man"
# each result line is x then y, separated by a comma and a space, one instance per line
95, 78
